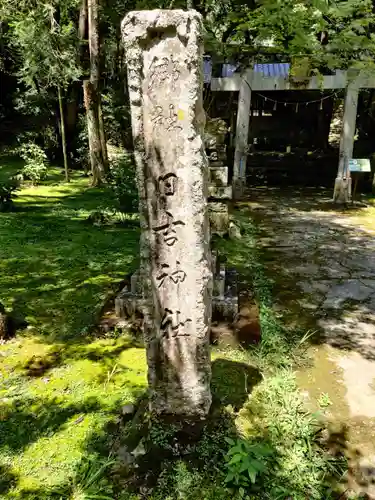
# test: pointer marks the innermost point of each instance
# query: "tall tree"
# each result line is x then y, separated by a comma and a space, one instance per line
45, 39
328, 33
91, 88
63, 135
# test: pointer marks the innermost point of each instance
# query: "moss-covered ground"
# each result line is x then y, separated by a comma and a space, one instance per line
62, 386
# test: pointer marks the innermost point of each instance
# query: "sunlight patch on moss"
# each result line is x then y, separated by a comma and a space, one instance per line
72, 402
45, 461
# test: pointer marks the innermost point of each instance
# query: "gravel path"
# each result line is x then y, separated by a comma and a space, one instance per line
322, 262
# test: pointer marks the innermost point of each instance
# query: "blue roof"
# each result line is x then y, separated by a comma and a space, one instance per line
268, 69
274, 69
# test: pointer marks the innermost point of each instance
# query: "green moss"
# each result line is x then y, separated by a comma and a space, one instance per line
60, 388
56, 270
49, 422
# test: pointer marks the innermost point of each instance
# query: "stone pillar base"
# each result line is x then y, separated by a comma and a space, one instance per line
343, 190
238, 189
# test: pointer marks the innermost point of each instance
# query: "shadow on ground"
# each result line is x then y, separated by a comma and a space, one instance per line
322, 263
56, 270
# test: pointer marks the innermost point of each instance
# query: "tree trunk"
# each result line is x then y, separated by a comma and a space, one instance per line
95, 146
63, 137
103, 138
92, 97
82, 25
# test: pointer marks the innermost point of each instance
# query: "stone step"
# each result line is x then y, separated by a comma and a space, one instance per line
129, 303
220, 192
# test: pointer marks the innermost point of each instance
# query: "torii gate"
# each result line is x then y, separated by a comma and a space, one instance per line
250, 81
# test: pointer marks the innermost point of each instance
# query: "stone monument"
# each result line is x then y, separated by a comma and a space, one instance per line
219, 191
164, 61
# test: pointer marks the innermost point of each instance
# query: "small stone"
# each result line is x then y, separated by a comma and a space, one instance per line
139, 451
78, 420
128, 410
234, 231
124, 456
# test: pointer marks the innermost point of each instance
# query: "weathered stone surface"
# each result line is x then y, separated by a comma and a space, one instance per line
357, 290
219, 176
128, 307
219, 217
220, 192
215, 132
225, 307
164, 59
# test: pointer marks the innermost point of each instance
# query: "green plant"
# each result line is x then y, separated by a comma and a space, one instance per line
300, 467
122, 180
245, 462
161, 435
324, 400
7, 194
91, 481
35, 168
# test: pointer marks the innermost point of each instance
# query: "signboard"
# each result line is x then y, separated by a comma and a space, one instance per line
360, 165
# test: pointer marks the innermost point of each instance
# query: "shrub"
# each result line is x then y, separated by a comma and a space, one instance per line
35, 168
245, 461
7, 194
122, 180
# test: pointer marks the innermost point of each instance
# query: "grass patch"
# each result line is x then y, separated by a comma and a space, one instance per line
55, 270
62, 390
51, 420
275, 448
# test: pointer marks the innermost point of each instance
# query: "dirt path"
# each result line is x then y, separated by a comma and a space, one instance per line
322, 262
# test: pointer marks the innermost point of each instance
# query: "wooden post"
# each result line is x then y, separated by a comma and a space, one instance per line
342, 191
242, 133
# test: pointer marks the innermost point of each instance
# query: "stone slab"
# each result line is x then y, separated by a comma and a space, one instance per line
353, 289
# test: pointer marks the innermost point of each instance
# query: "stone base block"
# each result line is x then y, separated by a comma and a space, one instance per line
220, 192
343, 190
219, 176
225, 294
219, 217
225, 308
129, 303
238, 189
217, 156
